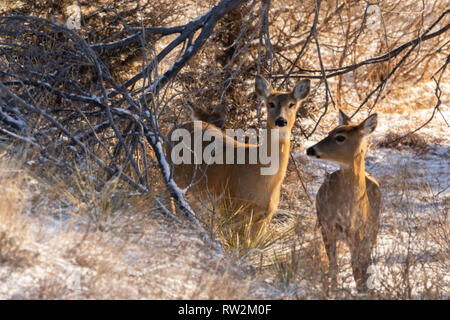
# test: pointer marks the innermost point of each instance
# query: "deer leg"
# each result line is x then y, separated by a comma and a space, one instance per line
329, 240
259, 223
373, 232
360, 251
257, 228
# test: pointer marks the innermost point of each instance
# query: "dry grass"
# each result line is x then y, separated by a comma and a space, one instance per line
234, 227
13, 226
64, 257
140, 253
413, 141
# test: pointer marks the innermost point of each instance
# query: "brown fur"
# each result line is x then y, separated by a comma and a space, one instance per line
216, 118
349, 201
242, 184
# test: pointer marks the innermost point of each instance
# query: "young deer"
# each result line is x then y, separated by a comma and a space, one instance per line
243, 185
348, 202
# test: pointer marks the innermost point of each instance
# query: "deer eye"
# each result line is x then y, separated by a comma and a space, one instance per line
271, 105
291, 105
340, 138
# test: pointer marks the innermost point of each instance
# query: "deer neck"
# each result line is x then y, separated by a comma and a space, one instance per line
353, 177
283, 148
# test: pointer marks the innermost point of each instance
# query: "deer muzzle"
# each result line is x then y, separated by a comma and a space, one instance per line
312, 152
281, 122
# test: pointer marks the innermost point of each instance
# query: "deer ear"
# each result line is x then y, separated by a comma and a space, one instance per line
301, 89
368, 125
262, 87
343, 118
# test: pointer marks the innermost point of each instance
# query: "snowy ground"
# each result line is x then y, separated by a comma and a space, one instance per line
416, 195
54, 260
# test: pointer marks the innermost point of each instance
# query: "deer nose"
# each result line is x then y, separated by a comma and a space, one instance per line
281, 122
311, 152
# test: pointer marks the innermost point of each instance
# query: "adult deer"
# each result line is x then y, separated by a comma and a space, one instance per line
244, 184
349, 200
